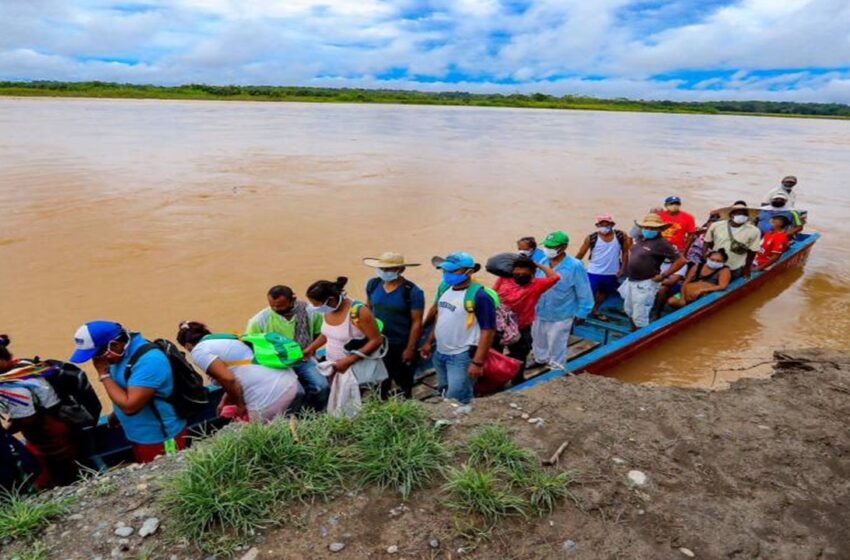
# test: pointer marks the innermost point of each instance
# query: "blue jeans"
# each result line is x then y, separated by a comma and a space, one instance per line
315, 385
453, 376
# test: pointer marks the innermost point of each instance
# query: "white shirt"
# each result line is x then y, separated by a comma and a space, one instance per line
453, 336
261, 386
605, 257
35, 391
792, 196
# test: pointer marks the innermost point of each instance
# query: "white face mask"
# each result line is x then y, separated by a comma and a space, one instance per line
714, 265
525, 252
604, 230
740, 219
550, 253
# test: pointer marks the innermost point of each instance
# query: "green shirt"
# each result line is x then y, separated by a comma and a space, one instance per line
269, 321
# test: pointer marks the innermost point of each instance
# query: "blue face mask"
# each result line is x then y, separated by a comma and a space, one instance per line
453, 278
388, 275
325, 308
649, 233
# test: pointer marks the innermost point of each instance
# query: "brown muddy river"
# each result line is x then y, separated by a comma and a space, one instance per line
151, 212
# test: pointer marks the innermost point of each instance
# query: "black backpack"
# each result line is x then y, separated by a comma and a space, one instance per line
190, 396
407, 286
79, 405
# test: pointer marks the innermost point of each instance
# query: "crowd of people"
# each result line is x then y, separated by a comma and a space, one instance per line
293, 352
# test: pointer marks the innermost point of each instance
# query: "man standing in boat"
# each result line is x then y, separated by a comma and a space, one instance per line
643, 271
786, 188
740, 239
569, 299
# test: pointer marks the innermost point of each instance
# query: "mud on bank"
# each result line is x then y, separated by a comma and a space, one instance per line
761, 470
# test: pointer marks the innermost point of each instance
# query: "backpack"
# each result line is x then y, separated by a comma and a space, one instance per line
78, 402
190, 397
271, 350
469, 298
354, 313
594, 237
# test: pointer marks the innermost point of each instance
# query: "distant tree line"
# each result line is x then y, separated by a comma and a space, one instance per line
353, 95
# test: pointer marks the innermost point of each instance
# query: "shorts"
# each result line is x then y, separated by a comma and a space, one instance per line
603, 283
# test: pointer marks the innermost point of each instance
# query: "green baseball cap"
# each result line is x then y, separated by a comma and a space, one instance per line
556, 239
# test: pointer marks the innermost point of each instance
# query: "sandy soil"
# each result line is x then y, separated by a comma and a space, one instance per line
761, 470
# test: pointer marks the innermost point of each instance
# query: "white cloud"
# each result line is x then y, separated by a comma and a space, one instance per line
553, 46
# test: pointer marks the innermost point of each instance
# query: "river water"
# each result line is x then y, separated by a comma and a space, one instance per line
152, 212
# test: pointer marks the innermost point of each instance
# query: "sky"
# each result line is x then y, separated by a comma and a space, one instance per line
786, 50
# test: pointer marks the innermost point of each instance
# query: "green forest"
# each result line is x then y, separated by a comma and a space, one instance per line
346, 95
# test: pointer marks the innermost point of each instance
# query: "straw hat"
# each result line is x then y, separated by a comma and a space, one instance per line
725, 212
653, 221
388, 260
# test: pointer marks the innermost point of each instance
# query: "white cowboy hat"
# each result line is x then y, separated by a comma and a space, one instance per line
388, 260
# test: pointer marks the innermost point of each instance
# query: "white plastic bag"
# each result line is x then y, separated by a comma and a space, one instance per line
344, 399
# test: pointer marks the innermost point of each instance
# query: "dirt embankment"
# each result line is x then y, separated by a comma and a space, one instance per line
761, 470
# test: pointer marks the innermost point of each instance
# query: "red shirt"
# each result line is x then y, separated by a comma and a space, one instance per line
773, 242
523, 299
683, 224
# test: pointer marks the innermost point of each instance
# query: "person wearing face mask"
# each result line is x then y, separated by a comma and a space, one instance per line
773, 243
527, 247
737, 236
520, 293
465, 316
289, 317
569, 300
710, 276
786, 187
609, 254
348, 325
682, 224
779, 206
644, 270
400, 304
139, 400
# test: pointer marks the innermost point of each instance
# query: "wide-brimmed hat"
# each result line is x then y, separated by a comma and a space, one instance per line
388, 260
456, 261
725, 212
653, 221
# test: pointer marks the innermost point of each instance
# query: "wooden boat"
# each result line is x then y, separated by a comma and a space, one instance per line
594, 347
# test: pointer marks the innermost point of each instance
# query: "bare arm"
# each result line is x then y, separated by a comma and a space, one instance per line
425, 351
485, 341
317, 343
415, 334
367, 324
219, 371
624, 256
547, 270
585, 247
130, 401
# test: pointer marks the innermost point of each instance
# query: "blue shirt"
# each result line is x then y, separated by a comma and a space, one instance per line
570, 297
394, 310
794, 218
538, 255
151, 371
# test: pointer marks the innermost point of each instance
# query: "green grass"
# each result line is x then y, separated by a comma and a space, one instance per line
481, 492
34, 551
22, 517
241, 480
547, 489
493, 446
347, 95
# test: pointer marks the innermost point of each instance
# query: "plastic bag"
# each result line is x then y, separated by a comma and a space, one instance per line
498, 370
502, 265
344, 400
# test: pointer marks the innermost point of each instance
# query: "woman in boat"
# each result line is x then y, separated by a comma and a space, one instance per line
348, 325
712, 275
31, 407
251, 391
520, 294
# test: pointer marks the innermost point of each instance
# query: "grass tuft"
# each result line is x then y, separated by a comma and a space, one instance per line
481, 492
22, 516
493, 446
547, 489
34, 551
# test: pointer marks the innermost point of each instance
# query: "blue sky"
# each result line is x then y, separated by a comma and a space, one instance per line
676, 49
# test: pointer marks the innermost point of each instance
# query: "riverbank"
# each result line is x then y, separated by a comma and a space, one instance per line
761, 470
403, 97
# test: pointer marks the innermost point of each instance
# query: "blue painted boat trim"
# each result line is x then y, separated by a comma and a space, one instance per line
582, 361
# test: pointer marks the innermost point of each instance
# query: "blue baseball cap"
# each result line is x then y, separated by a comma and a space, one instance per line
672, 200
454, 261
91, 337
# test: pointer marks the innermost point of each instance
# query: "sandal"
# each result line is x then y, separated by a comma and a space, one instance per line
600, 317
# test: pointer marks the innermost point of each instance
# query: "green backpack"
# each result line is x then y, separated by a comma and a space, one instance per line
271, 350
469, 298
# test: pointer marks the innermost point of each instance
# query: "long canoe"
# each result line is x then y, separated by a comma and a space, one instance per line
594, 347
